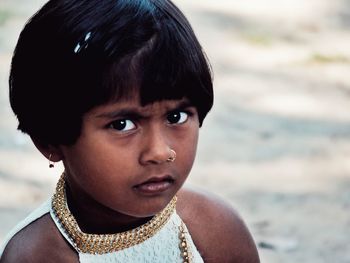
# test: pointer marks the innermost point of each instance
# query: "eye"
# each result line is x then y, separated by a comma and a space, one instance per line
177, 117
122, 125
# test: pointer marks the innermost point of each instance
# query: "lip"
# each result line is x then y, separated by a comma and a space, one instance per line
155, 185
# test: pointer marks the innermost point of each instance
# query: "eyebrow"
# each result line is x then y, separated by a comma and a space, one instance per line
138, 113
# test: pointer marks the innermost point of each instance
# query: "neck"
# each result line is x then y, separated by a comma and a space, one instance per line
106, 243
92, 217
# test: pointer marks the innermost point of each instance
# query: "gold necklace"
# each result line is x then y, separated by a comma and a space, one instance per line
107, 243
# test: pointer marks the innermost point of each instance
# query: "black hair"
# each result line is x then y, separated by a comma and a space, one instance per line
73, 55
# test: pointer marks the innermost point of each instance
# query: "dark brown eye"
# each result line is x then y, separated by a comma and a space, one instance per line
122, 125
177, 117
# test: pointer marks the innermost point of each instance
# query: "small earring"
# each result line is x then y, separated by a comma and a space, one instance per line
51, 165
173, 157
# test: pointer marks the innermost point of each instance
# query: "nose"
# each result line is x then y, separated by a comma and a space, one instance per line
156, 148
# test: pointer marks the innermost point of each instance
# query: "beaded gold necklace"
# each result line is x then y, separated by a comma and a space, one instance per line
107, 243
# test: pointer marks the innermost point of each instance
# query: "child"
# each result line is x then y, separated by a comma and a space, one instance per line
117, 91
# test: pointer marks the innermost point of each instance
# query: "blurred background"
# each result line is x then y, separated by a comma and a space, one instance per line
277, 142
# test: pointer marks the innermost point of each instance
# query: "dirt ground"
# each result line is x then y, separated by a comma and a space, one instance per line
277, 143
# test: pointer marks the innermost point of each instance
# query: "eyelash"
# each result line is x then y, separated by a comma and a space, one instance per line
188, 114
126, 123
131, 121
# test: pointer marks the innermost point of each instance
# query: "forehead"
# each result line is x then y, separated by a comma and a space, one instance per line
133, 105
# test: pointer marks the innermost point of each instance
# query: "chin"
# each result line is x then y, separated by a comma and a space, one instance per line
152, 206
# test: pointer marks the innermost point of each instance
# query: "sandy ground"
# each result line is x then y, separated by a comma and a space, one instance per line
277, 143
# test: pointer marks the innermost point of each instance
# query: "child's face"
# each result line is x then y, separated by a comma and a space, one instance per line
120, 158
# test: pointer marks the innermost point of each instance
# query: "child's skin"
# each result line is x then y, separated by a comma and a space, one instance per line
118, 177
113, 89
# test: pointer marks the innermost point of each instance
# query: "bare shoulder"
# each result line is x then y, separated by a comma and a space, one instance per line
216, 228
39, 242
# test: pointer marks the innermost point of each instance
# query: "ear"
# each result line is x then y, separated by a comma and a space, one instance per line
52, 153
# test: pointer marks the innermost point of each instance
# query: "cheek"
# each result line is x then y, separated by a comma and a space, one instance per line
96, 161
188, 151
101, 175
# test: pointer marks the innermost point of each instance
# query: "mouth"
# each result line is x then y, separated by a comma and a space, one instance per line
155, 185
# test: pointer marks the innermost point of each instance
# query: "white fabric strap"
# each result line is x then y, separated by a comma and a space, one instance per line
163, 247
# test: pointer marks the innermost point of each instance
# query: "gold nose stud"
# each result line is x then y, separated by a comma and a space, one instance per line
172, 157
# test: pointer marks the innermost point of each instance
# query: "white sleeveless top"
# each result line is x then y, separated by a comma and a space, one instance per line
163, 247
